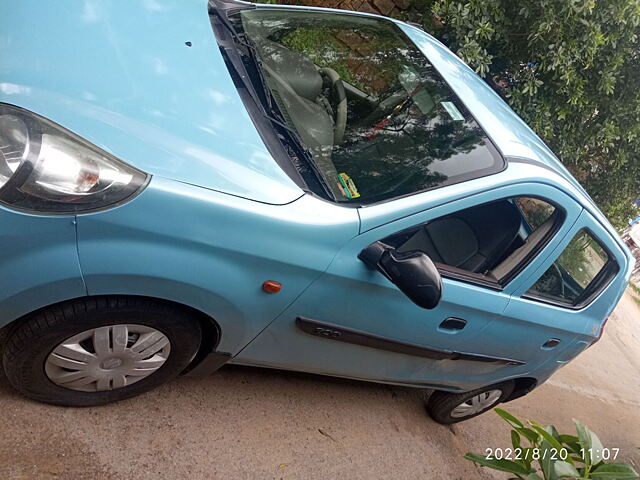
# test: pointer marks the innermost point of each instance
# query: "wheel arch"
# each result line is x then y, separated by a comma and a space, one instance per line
211, 330
522, 386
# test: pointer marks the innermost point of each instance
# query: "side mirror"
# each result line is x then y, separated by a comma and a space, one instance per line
412, 272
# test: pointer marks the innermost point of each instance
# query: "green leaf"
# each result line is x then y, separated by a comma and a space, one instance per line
513, 421
534, 476
584, 439
614, 471
526, 457
515, 439
554, 432
501, 465
590, 442
565, 469
546, 462
570, 441
529, 434
553, 443
574, 447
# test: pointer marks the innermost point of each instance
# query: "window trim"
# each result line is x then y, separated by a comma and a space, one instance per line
478, 279
544, 241
596, 286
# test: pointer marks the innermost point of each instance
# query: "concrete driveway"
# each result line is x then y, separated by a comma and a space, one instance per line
255, 423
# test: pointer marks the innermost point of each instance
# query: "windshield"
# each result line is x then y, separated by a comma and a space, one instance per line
376, 118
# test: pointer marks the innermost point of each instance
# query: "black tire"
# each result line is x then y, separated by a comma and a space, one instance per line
441, 404
33, 339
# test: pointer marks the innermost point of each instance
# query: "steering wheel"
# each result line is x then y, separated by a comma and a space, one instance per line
337, 88
552, 281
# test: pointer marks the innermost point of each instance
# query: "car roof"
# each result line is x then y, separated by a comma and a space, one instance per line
143, 80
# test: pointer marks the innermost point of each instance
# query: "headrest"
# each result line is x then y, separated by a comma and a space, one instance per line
293, 67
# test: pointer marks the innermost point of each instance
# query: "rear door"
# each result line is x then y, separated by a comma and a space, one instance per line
353, 322
572, 290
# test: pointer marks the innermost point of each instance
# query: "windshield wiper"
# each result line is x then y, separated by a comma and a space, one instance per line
273, 113
269, 108
301, 152
254, 56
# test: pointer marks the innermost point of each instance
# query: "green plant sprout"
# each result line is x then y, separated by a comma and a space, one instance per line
557, 456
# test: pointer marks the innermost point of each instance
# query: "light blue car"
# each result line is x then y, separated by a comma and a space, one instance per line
185, 185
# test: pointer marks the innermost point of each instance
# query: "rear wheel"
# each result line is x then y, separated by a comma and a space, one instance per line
98, 350
448, 408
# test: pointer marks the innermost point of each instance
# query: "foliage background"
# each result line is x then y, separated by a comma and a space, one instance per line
569, 68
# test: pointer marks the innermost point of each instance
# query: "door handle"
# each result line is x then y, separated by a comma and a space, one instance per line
453, 324
551, 343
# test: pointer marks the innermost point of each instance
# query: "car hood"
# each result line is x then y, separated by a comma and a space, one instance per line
145, 81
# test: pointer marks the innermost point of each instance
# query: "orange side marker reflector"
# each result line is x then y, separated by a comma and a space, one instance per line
271, 286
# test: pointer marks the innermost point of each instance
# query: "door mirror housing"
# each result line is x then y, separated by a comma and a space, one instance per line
414, 273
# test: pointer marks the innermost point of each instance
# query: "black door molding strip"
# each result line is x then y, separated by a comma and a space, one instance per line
348, 335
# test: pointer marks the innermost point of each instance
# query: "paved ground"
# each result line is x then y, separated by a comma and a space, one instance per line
254, 423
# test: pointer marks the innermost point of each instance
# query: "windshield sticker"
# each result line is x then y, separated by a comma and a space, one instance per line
347, 187
453, 112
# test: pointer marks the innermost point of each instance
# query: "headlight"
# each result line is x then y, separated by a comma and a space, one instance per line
47, 169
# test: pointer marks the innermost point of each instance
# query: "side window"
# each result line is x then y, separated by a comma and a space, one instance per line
487, 243
581, 266
534, 210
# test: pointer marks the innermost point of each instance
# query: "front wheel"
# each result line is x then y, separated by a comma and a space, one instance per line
448, 408
99, 350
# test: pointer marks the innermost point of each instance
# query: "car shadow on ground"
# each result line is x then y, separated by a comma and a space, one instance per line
264, 377
264, 423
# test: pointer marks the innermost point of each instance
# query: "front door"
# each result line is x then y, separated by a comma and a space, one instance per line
353, 322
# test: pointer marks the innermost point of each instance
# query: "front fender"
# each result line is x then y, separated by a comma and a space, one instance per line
189, 294
38, 263
212, 251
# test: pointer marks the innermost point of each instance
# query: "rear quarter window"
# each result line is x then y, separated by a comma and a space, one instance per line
534, 210
579, 271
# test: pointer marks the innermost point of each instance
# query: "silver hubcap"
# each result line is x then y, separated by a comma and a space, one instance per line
477, 404
107, 358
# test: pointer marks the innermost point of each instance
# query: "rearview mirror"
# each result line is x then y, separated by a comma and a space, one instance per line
412, 272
